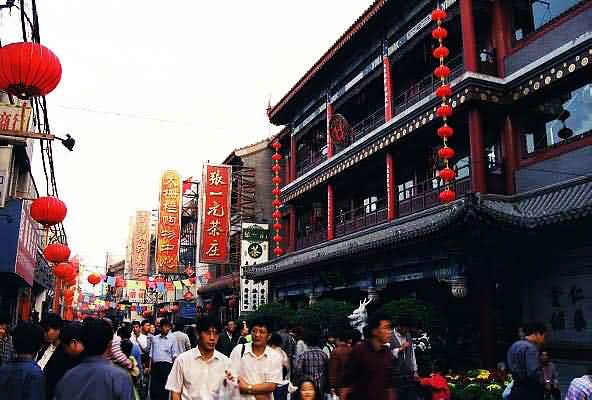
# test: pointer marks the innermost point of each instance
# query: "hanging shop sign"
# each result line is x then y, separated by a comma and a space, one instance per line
215, 216
14, 117
140, 251
5, 164
254, 250
169, 224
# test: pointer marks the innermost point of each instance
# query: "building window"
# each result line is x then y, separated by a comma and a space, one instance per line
370, 204
405, 190
531, 15
564, 117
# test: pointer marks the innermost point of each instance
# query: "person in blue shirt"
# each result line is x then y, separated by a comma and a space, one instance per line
96, 378
125, 333
163, 352
22, 378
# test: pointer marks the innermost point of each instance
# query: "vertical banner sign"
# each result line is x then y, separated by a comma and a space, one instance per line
254, 250
26, 254
215, 220
5, 164
169, 224
140, 246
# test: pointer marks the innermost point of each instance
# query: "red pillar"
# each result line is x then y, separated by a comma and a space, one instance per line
390, 188
477, 148
292, 227
329, 138
330, 213
511, 154
467, 22
388, 88
293, 151
500, 29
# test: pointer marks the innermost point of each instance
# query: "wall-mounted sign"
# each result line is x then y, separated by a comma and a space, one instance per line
254, 250
169, 224
215, 215
140, 245
5, 163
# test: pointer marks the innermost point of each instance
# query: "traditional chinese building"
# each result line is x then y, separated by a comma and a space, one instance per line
251, 191
361, 210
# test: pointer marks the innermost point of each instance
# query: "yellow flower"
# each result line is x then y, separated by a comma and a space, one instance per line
494, 387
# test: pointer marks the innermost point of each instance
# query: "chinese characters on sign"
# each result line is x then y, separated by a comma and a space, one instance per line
140, 250
169, 224
254, 250
15, 117
215, 221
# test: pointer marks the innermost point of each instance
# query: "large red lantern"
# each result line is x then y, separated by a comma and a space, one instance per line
56, 253
28, 70
94, 278
48, 211
61, 270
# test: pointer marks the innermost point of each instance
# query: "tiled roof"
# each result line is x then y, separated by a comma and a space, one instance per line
227, 281
345, 38
553, 204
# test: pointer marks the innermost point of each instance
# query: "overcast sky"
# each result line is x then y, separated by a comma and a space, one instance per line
190, 79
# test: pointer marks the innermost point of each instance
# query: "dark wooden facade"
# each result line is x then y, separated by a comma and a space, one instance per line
518, 77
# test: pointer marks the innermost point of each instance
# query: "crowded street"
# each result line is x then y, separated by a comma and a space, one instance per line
296, 200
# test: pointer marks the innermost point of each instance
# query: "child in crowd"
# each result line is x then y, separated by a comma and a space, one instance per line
437, 385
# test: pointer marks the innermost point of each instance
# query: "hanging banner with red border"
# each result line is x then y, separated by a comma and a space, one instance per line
215, 216
140, 253
169, 224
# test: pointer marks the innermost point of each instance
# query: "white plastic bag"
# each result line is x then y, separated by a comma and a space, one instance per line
229, 390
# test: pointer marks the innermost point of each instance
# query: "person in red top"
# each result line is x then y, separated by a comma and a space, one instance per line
437, 385
370, 370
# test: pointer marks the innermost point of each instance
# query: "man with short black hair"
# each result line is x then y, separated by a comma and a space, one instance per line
369, 374
313, 363
228, 338
22, 378
199, 374
181, 338
162, 354
257, 366
524, 363
53, 325
66, 357
96, 378
339, 361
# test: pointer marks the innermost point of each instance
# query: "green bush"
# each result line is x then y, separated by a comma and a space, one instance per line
429, 315
281, 315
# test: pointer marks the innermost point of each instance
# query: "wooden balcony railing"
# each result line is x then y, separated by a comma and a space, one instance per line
360, 218
308, 163
423, 195
311, 238
368, 124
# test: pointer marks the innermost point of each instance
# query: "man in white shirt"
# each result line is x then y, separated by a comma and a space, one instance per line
139, 338
257, 366
405, 362
199, 374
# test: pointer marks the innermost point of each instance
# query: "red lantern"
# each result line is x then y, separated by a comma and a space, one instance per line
446, 153
277, 238
94, 278
276, 145
278, 251
276, 203
276, 214
446, 174
445, 131
444, 111
277, 227
441, 52
276, 157
439, 33
48, 211
62, 270
276, 180
444, 91
56, 253
442, 71
276, 168
276, 191
28, 70
438, 14
446, 196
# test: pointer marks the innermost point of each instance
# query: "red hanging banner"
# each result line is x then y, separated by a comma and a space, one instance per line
169, 224
215, 216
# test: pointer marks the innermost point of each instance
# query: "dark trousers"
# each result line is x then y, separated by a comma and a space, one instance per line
527, 391
281, 392
407, 388
158, 377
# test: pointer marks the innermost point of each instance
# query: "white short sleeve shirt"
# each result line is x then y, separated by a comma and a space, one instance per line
266, 368
195, 378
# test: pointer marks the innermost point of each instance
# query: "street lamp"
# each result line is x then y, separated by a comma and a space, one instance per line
68, 142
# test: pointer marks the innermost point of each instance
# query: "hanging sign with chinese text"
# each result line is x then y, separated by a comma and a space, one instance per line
15, 117
254, 250
169, 224
215, 217
140, 250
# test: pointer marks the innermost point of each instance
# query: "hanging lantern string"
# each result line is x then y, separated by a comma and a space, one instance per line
444, 110
277, 226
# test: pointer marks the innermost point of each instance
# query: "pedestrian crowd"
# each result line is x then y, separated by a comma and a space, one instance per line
103, 360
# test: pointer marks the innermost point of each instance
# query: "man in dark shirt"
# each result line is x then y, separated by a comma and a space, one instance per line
22, 378
66, 357
369, 374
313, 363
339, 361
525, 364
96, 378
228, 338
